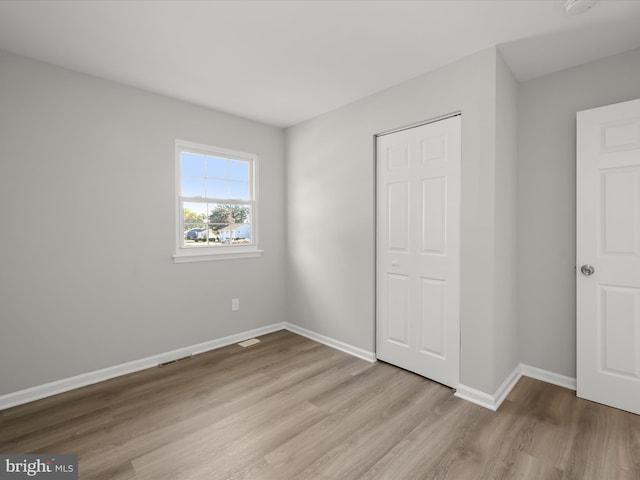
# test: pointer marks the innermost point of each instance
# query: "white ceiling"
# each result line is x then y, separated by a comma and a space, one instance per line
282, 62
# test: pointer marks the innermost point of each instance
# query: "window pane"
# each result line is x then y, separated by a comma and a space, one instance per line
239, 171
217, 167
193, 187
192, 164
231, 224
217, 189
195, 221
239, 190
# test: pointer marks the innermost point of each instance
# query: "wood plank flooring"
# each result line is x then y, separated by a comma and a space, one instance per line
290, 408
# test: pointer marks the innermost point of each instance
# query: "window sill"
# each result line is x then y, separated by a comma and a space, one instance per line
200, 256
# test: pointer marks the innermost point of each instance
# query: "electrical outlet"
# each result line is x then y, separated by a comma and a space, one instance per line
235, 304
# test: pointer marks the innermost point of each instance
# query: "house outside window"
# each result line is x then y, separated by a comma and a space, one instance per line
216, 203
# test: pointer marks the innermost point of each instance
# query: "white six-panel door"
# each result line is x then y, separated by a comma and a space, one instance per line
418, 249
608, 255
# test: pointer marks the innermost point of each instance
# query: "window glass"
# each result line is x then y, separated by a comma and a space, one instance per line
216, 199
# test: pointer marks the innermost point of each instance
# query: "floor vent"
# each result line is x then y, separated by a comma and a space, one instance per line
248, 343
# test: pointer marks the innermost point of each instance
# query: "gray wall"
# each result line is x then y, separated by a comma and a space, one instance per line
331, 206
546, 200
87, 212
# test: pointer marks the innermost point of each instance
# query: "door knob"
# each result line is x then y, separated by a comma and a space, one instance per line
587, 270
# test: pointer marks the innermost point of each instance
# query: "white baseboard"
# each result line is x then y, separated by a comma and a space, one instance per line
59, 386
549, 377
476, 396
507, 386
338, 345
493, 402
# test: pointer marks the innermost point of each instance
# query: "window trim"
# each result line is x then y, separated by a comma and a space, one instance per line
206, 253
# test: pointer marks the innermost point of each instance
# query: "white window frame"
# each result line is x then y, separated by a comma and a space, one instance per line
185, 253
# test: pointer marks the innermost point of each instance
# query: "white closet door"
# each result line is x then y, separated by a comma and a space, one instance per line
418, 249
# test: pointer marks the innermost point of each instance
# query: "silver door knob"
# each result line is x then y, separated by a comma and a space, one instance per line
587, 270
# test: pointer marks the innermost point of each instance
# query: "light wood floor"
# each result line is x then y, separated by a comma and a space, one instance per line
290, 408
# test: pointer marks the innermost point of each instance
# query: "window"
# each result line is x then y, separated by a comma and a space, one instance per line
216, 203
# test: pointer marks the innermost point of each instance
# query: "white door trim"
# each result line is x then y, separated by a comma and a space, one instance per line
419, 124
